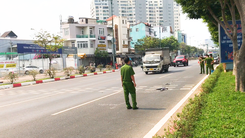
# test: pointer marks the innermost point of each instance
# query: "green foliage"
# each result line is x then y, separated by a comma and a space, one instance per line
11, 76
223, 112
81, 69
49, 42
91, 69
100, 67
33, 73
109, 67
170, 42
185, 125
68, 71
51, 72
100, 54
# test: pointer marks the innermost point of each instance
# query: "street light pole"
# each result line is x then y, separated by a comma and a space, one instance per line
113, 40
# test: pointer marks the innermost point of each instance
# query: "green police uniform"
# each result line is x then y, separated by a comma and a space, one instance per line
128, 86
201, 62
208, 66
212, 65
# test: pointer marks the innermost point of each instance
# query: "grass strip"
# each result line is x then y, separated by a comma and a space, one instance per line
223, 112
184, 126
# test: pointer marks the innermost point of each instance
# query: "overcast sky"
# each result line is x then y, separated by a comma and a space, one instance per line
22, 15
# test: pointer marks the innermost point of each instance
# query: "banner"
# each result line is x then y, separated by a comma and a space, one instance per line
33, 48
226, 45
7, 64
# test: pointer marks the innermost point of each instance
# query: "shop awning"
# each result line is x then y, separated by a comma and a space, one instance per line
82, 55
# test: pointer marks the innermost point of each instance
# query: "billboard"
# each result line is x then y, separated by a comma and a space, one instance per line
226, 46
33, 48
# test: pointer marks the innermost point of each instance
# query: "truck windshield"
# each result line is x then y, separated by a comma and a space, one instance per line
152, 58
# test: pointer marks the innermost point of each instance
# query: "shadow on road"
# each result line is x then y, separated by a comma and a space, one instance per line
152, 109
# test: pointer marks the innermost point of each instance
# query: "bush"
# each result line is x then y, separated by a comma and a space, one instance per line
51, 72
183, 127
91, 68
11, 76
81, 69
100, 67
109, 67
33, 73
68, 71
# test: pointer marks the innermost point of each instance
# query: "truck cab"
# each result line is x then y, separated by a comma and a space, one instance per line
156, 60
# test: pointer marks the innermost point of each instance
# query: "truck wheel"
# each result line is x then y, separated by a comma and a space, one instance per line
166, 70
177, 65
174, 65
146, 72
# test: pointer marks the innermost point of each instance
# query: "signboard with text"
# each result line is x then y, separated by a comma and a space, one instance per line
69, 50
7, 64
33, 48
226, 45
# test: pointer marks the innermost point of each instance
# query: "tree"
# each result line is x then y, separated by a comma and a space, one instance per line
219, 12
172, 43
145, 43
49, 42
100, 54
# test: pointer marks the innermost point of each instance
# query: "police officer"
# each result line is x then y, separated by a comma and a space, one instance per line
209, 62
201, 62
212, 65
128, 83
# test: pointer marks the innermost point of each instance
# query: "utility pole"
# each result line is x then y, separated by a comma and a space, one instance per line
113, 39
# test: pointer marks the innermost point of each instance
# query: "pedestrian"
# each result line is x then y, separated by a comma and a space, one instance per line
201, 62
209, 62
128, 83
212, 65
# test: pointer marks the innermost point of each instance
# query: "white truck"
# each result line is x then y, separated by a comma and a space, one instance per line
156, 60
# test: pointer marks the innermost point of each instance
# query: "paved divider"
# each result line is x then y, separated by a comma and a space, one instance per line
51, 80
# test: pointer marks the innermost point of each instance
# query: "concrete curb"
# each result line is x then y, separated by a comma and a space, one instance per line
52, 80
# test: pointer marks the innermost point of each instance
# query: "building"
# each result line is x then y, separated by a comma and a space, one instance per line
177, 20
120, 26
181, 37
160, 12
163, 32
154, 12
8, 43
140, 31
86, 35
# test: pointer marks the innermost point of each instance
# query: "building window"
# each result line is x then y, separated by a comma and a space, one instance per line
72, 44
101, 31
82, 44
66, 31
91, 45
137, 29
122, 21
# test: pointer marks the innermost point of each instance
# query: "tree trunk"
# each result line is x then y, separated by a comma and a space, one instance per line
240, 79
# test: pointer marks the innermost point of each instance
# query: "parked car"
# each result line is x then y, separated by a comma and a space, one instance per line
28, 68
180, 60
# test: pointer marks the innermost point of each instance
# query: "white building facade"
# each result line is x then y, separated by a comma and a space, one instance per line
154, 12
163, 32
177, 20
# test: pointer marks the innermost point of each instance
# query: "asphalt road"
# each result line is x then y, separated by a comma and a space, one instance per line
93, 106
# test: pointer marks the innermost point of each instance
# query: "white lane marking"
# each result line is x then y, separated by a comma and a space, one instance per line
159, 125
28, 100
164, 76
185, 89
85, 103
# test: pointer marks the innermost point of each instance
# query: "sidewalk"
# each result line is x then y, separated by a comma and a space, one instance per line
40, 76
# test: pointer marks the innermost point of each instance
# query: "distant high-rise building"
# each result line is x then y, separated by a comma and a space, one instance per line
154, 12
177, 12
